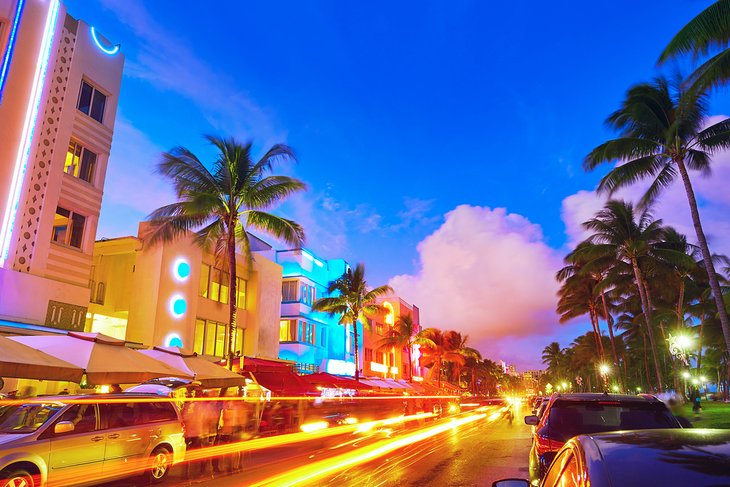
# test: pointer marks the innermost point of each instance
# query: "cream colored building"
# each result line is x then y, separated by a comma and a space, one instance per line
59, 88
175, 294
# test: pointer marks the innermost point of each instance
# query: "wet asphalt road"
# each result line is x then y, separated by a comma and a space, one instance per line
475, 454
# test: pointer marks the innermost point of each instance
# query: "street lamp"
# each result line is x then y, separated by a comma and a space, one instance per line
604, 369
678, 346
565, 386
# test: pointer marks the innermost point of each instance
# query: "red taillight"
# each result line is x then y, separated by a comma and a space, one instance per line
546, 444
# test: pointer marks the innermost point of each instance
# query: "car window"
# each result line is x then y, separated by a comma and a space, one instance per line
83, 417
158, 411
570, 418
27, 418
122, 415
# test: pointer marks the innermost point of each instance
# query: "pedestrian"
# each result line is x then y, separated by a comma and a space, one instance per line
233, 420
194, 420
115, 389
64, 392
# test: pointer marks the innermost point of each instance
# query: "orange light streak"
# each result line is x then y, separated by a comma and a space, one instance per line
317, 470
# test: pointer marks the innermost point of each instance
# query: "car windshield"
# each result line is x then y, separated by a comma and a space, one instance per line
26, 418
570, 418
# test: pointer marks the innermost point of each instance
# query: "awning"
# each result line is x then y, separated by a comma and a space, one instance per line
24, 362
209, 374
284, 383
251, 364
325, 379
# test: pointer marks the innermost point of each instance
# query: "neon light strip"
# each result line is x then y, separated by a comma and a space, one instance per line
31, 114
111, 51
11, 44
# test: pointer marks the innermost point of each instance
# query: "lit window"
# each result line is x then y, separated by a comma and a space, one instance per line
225, 285
287, 331
378, 328
368, 354
204, 280
91, 102
241, 293
215, 284
380, 357
211, 338
80, 162
68, 228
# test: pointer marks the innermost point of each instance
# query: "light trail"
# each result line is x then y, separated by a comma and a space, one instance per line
322, 468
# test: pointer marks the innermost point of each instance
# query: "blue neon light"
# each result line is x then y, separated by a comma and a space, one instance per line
31, 115
11, 45
178, 306
181, 269
107, 50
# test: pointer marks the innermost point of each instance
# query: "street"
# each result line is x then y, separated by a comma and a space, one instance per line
481, 450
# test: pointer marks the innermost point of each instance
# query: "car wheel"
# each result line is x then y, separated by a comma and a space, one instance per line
160, 464
17, 478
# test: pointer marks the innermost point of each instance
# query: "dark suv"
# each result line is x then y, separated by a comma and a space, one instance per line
569, 415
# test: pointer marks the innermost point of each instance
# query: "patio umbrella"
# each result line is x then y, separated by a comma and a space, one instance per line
104, 359
209, 375
23, 362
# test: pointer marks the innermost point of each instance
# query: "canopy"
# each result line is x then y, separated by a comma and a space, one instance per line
105, 360
23, 362
334, 381
209, 374
284, 383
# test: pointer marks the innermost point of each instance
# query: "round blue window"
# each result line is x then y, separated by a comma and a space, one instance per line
176, 342
182, 270
179, 306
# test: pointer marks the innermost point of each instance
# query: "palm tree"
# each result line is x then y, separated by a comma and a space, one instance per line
402, 335
554, 357
708, 31
221, 205
661, 134
351, 299
438, 347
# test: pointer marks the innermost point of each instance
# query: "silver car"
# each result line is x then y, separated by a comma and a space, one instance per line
84, 440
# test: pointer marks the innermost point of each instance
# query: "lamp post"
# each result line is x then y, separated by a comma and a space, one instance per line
604, 369
678, 346
685, 376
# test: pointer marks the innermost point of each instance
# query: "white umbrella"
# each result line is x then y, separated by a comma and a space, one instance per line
23, 362
207, 373
105, 360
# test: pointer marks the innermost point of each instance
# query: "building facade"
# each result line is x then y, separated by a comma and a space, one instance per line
175, 294
392, 362
59, 89
315, 341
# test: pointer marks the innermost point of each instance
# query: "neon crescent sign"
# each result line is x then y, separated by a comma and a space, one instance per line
107, 50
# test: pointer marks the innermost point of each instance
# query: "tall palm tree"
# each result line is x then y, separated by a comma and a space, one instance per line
402, 335
708, 31
619, 234
438, 347
554, 357
219, 206
352, 299
661, 133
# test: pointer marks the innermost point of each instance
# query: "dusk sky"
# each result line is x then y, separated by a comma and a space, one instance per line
441, 142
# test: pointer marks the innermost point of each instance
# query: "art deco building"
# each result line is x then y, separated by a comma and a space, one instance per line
59, 89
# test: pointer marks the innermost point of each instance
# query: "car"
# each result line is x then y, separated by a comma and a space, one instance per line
666, 457
568, 415
63, 440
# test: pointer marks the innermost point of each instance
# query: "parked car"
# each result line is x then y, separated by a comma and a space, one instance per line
569, 415
62, 440
666, 457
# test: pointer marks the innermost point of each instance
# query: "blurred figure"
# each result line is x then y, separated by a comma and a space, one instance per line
64, 392
115, 388
234, 418
196, 417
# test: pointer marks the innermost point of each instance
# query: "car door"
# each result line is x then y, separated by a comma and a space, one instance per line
79, 453
127, 438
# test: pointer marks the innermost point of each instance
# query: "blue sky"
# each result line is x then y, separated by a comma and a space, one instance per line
399, 111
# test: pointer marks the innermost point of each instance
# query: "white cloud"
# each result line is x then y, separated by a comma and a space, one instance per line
486, 273
672, 207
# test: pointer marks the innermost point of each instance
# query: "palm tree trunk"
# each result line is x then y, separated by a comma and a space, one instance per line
647, 319
596, 332
438, 372
646, 364
699, 343
706, 255
231, 293
357, 353
410, 363
609, 323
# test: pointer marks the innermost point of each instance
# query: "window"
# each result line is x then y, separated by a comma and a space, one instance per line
378, 328
308, 294
287, 331
323, 337
80, 162
391, 361
157, 411
100, 292
68, 228
214, 285
380, 357
91, 102
306, 332
289, 291
211, 338
83, 417
368, 354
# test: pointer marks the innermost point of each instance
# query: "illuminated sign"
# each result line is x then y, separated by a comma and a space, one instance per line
376, 367
11, 45
178, 306
389, 313
340, 367
106, 50
21, 160
173, 340
394, 370
181, 269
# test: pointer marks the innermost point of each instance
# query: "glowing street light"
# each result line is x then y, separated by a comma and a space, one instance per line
604, 369
703, 379
679, 345
685, 375
695, 382
614, 388
565, 386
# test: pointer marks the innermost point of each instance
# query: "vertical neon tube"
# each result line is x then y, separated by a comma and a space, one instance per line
31, 114
11, 44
